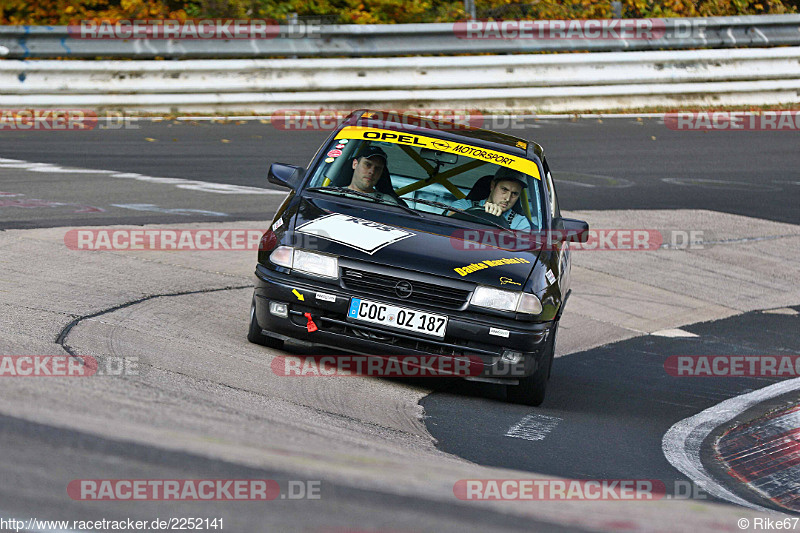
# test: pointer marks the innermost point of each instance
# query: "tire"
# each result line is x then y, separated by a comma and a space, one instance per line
531, 389
254, 334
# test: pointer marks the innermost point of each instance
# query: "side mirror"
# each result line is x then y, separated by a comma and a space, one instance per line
571, 230
285, 175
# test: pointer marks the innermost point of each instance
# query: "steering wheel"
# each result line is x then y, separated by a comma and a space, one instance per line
480, 212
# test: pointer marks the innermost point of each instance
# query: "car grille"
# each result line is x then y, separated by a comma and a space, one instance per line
365, 282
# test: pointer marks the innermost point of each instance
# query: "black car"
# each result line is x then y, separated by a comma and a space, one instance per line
405, 257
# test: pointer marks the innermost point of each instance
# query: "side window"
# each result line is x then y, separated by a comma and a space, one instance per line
551, 191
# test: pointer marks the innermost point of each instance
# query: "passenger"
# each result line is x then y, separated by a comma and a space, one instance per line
504, 192
367, 171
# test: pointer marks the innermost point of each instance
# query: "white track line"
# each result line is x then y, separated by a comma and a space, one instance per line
681, 444
674, 333
180, 183
533, 427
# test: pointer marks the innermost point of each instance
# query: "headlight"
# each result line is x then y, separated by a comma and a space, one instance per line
495, 298
326, 266
501, 300
316, 264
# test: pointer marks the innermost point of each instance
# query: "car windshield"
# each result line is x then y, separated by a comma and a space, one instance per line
429, 180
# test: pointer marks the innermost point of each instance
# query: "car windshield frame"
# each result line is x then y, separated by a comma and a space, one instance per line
427, 174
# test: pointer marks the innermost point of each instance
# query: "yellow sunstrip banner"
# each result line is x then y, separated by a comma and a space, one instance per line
421, 141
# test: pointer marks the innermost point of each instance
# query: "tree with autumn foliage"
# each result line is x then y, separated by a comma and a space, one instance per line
64, 12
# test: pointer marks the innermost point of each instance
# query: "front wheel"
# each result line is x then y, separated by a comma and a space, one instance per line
254, 334
531, 389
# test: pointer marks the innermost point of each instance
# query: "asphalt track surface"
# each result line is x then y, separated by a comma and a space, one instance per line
600, 164
606, 425
54, 457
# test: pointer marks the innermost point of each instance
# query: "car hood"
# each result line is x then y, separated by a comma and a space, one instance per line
392, 238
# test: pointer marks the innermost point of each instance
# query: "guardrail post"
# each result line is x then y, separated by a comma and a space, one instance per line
469, 8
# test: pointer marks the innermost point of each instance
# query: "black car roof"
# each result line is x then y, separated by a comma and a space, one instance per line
392, 120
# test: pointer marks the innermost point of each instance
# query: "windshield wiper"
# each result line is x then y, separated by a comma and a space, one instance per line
345, 191
404, 208
456, 210
435, 204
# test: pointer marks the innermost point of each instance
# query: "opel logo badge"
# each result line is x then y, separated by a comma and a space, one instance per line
403, 289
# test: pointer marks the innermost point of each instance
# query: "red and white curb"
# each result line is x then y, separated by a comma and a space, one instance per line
681, 444
765, 455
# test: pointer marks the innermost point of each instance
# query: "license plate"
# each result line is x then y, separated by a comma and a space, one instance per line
397, 317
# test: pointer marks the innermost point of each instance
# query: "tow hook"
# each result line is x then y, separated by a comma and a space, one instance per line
310, 326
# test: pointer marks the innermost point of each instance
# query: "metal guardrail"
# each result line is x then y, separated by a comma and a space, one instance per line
515, 83
28, 42
282, 78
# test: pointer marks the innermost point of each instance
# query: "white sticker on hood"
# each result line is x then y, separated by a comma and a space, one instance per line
364, 235
551, 278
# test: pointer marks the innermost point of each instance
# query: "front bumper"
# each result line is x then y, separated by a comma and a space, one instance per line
467, 335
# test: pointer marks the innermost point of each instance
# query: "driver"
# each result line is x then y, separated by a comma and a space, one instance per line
367, 170
504, 191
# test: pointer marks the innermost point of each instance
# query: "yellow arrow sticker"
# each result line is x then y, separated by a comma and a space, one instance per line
453, 147
299, 296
